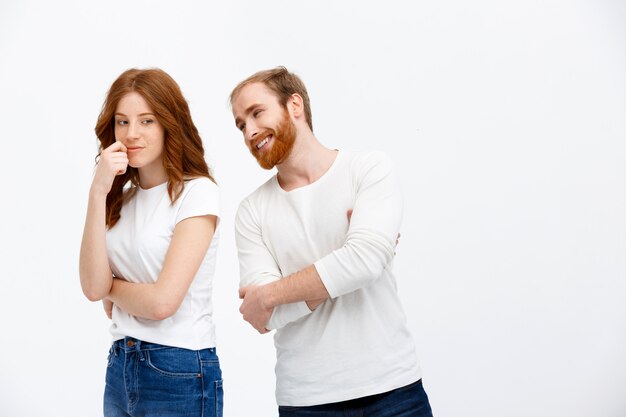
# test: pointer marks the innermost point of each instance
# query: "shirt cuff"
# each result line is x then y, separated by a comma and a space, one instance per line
286, 313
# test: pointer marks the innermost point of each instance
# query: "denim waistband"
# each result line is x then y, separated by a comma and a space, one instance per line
130, 344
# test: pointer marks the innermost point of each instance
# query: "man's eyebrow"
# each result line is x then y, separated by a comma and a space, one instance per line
247, 111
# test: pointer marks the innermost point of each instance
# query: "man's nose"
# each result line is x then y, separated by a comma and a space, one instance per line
251, 131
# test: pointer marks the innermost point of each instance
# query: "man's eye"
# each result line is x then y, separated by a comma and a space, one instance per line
241, 126
256, 113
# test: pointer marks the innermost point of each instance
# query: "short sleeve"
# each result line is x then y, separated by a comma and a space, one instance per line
200, 198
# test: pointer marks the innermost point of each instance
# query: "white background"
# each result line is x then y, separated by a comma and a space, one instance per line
507, 121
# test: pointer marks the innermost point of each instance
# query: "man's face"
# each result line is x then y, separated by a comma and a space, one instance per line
267, 128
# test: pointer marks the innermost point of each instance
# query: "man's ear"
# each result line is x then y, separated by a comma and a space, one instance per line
296, 105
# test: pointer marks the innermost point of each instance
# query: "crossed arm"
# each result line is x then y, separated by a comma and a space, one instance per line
369, 249
156, 301
259, 301
162, 299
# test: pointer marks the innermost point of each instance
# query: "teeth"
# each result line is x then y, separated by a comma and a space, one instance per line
262, 143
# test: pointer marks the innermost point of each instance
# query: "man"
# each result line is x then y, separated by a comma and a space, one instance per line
323, 280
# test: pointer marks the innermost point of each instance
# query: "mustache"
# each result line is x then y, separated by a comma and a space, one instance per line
261, 137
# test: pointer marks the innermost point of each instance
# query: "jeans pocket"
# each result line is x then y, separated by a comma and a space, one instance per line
174, 362
213, 386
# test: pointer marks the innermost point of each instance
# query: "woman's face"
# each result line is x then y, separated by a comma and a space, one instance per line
139, 130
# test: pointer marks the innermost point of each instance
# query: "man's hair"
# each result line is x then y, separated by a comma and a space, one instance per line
282, 83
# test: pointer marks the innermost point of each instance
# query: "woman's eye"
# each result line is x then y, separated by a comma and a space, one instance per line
122, 122
147, 121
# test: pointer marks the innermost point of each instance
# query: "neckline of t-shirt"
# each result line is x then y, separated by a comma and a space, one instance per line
317, 181
151, 189
163, 185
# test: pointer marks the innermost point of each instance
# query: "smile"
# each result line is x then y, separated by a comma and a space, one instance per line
263, 142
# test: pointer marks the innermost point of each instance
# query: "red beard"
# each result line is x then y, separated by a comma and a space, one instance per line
283, 138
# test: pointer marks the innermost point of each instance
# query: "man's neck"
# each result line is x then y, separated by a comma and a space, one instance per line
308, 161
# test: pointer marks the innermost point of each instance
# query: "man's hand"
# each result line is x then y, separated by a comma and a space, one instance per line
253, 308
108, 307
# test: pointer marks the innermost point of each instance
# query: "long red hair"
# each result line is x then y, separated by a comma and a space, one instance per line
183, 153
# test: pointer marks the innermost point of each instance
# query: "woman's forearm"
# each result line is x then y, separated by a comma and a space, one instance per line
94, 270
142, 300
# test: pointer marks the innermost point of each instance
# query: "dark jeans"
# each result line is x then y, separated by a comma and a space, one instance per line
408, 401
147, 379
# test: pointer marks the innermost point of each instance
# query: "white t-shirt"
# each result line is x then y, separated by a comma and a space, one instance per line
137, 246
356, 343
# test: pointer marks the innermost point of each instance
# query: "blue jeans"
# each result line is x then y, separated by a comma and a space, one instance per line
408, 401
148, 379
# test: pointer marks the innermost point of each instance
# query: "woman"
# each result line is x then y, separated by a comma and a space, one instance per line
148, 251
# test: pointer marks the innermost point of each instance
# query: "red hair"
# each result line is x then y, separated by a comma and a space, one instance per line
183, 153
283, 84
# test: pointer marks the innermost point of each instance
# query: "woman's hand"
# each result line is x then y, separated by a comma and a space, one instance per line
113, 161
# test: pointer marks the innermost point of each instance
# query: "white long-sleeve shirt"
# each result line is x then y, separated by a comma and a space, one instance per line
356, 343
